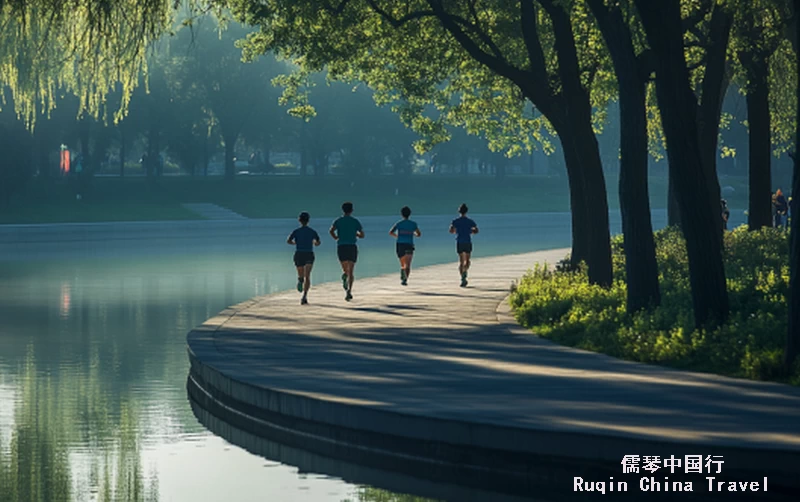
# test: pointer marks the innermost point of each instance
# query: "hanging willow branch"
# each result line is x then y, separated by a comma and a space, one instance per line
85, 47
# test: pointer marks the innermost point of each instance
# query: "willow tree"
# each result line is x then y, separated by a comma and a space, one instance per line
479, 63
84, 47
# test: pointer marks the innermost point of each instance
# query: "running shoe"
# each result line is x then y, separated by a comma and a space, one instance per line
344, 281
348, 296
300, 284
304, 301
464, 280
403, 276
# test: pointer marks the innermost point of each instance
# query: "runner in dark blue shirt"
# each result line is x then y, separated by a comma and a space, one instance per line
463, 227
305, 238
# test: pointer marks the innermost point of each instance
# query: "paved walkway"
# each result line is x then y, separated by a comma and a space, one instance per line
433, 361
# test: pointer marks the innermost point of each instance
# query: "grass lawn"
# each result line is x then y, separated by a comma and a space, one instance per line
134, 199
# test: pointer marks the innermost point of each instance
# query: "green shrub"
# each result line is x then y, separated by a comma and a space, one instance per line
561, 305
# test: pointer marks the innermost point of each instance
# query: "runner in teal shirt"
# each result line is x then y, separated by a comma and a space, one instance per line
345, 231
405, 230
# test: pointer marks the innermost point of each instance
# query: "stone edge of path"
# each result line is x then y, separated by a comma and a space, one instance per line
425, 439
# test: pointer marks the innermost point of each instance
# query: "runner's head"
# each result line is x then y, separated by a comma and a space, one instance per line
462, 209
303, 218
405, 212
347, 208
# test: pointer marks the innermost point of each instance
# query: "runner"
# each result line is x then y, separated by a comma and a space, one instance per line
305, 238
463, 227
345, 231
405, 230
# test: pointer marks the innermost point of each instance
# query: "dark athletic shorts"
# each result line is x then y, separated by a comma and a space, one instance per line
463, 247
303, 258
347, 252
404, 248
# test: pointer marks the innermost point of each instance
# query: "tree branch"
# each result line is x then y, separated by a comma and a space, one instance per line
338, 9
495, 62
567, 53
530, 34
398, 22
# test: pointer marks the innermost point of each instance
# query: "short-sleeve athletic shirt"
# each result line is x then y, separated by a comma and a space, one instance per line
304, 238
346, 228
463, 228
405, 231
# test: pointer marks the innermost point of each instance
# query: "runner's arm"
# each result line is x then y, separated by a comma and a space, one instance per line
452, 229
360, 234
332, 231
393, 231
418, 232
317, 240
475, 229
290, 240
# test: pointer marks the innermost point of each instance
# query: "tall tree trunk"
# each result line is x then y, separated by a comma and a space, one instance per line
569, 110
230, 166
41, 152
793, 332
641, 268
700, 211
303, 147
122, 152
84, 136
673, 210
500, 170
591, 240
758, 119
793, 335
205, 156
153, 150
714, 84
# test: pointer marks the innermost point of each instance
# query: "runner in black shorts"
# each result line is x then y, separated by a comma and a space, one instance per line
305, 238
405, 230
345, 231
464, 228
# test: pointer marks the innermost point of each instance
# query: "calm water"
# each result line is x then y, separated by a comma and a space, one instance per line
93, 363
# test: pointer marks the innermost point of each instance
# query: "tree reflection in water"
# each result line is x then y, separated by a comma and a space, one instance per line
51, 417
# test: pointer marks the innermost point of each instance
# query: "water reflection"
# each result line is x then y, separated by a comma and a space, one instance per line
49, 415
361, 474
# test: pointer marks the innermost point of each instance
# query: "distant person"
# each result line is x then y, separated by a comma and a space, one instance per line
77, 163
404, 231
305, 238
726, 214
345, 231
774, 206
781, 209
463, 227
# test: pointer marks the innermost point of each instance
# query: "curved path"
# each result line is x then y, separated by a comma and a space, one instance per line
442, 378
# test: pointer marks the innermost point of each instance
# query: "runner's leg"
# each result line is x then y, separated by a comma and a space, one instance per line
307, 278
300, 275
